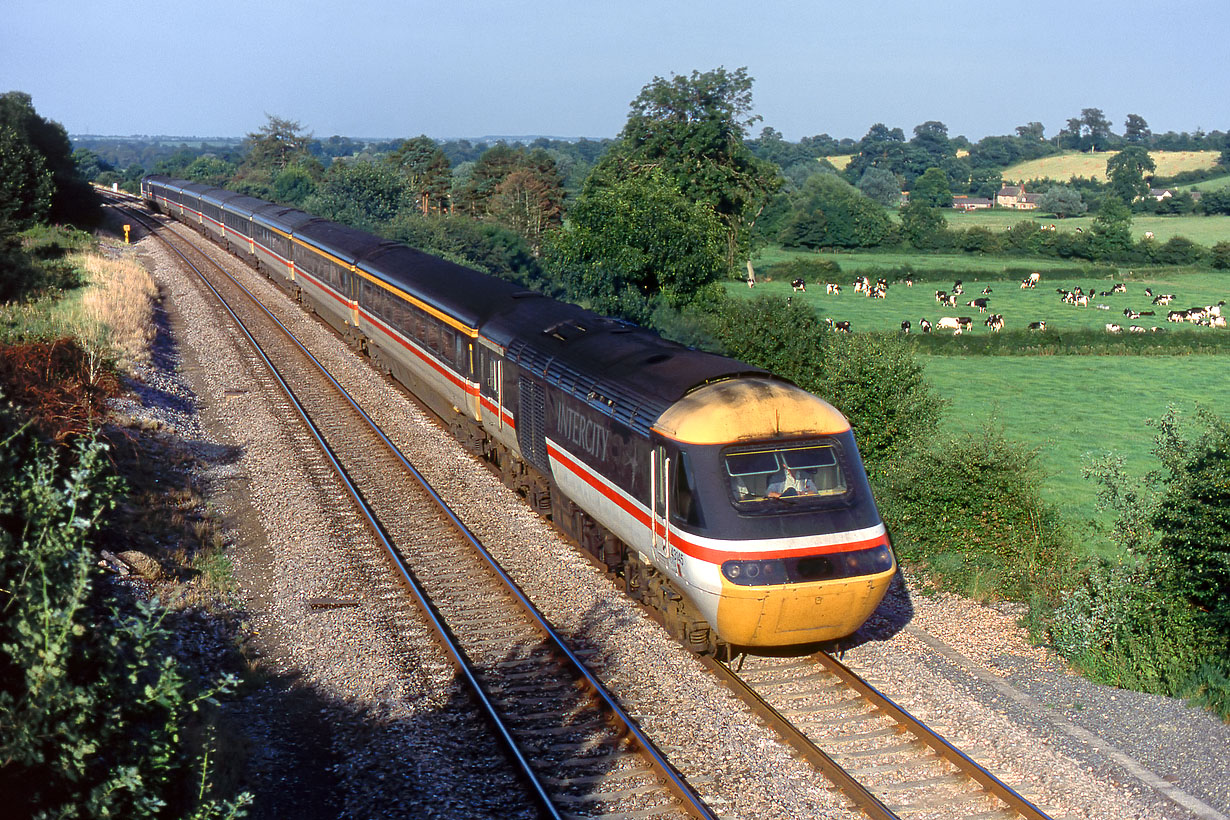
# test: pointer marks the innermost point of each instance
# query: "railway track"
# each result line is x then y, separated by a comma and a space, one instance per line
888, 763
575, 748
580, 754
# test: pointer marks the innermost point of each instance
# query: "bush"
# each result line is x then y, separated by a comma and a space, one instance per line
1193, 518
1121, 625
968, 507
93, 708
1156, 620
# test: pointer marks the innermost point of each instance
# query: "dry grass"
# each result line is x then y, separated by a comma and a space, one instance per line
117, 308
1093, 166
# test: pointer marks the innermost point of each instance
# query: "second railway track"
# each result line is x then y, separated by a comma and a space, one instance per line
578, 748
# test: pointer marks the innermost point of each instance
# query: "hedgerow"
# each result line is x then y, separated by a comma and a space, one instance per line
1156, 618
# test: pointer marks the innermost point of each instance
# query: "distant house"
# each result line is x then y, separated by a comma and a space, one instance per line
1162, 193
1017, 198
970, 203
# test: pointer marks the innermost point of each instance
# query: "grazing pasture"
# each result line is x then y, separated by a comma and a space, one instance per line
1203, 230
1018, 306
1062, 167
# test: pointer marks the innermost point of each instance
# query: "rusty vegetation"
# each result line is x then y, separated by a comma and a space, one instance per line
58, 384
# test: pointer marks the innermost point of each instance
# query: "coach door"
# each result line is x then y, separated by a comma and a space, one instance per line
659, 467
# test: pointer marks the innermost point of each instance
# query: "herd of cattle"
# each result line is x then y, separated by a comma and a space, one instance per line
1207, 315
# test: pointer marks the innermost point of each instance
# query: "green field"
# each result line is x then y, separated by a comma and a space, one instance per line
1018, 307
1075, 408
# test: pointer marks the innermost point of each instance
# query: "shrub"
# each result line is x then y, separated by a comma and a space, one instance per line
1156, 620
1193, 518
93, 708
1121, 625
968, 507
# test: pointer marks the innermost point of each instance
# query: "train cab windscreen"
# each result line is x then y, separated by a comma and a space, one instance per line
787, 473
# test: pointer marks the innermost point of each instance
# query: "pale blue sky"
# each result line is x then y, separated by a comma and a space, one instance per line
570, 68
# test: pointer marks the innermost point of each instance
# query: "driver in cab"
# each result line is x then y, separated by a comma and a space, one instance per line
791, 482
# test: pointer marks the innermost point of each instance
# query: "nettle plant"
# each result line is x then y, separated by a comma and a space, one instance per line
96, 715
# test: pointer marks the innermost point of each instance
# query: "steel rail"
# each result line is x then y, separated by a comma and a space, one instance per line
863, 799
674, 780
924, 733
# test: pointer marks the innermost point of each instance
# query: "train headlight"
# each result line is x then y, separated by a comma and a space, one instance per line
755, 573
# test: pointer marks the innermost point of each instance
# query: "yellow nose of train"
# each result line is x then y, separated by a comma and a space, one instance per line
799, 613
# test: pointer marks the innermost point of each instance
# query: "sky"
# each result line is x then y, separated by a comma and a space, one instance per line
570, 68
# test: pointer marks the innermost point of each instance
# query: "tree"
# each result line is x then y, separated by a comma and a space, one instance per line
1031, 131
880, 185
529, 201
1112, 230
72, 199
1095, 129
829, 212
276, 145
985, 182
923, 226
485, 176
361, 194
210, 170
1127, 170
932, 189
1135, 129
293, 185
633, 241
427, 172
1062, 201
26, 185
694, 129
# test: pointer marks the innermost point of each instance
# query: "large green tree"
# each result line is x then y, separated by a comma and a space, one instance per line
882, 186
1062, 201
693, 129
366, 195
427, 171
36, 141
932, 189
1127, 170
277, 144
830, 213
26, 186
634, 242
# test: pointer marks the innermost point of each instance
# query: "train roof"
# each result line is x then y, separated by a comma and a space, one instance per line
626, 371
284, 218
468, 295
195, 188
244, 205
342, 241
218, 196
